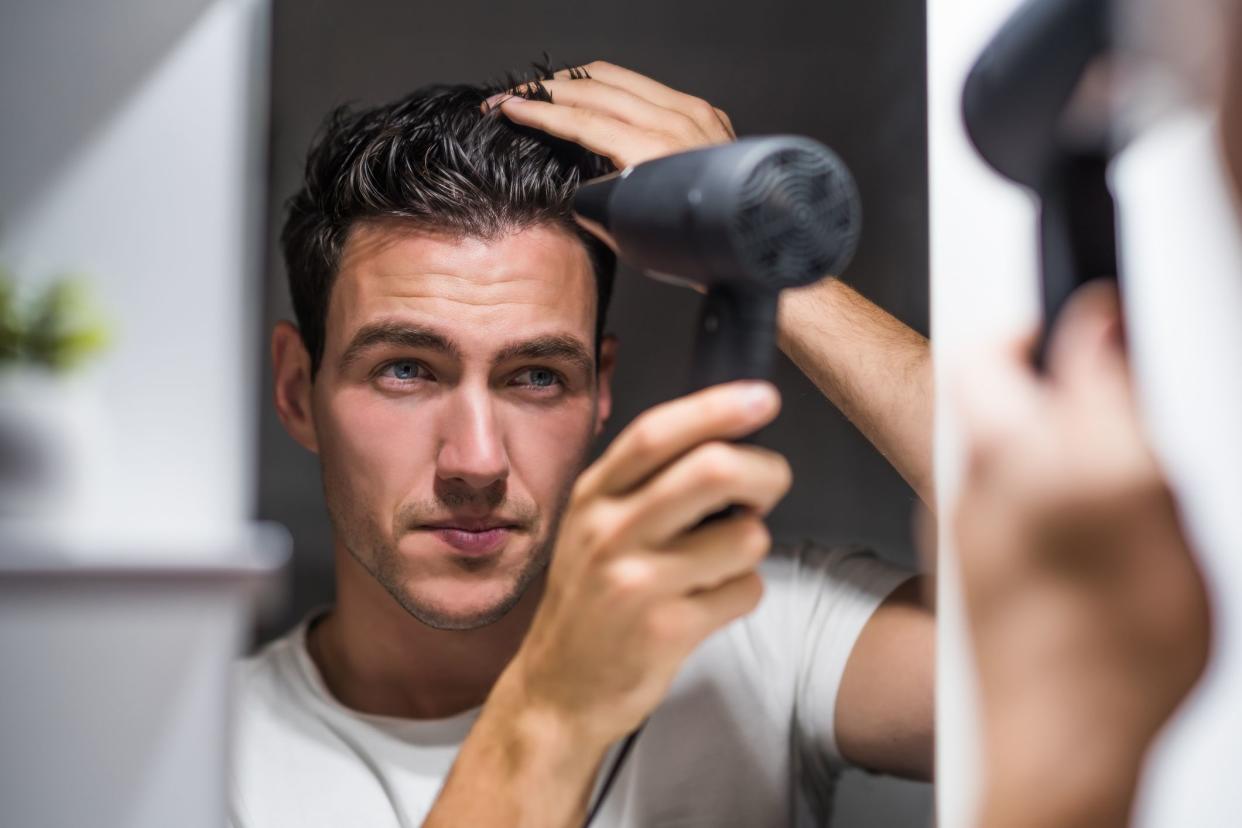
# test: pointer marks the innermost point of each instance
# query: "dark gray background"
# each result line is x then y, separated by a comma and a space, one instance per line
850, 74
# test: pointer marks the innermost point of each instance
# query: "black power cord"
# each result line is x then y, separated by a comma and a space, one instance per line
613, 773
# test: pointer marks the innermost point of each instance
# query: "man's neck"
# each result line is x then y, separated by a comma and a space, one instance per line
378, 659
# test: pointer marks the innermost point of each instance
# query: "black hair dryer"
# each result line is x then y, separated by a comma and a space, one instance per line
1017, 108
743, 221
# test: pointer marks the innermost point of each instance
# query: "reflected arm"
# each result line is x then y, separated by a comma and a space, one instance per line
878, 372
872, 367
885, 715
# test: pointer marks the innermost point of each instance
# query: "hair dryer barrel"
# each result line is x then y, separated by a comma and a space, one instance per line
1015, 97
773, 212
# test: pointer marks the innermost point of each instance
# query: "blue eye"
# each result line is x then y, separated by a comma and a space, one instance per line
404, 370
542, 378
538, 378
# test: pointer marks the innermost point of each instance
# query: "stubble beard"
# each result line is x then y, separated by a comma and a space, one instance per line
358, 533
387, 573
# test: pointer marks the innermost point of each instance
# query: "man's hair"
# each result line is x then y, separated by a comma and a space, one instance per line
435, 160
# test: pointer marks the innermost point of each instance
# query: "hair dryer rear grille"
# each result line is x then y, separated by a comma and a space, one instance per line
799, 218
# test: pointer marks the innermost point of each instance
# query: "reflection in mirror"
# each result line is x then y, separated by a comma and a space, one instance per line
525, 558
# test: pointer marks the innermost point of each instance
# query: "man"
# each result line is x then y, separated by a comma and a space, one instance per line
502, 612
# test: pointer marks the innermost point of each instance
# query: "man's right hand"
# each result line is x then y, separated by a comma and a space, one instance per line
637, 579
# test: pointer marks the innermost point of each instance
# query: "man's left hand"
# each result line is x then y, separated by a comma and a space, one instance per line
619, 114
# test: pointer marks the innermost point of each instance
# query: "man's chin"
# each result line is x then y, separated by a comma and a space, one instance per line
446, 595
458, 620
462, 606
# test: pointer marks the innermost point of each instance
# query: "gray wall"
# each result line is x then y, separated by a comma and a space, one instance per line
849, 74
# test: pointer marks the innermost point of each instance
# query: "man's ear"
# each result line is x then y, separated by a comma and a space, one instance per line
291, 380
607, 362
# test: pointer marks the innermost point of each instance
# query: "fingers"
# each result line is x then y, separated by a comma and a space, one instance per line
1085, 352
623, 144
715, 553
711, 609
624, 106
659, 436
709, 478
726, 122
700, 560
619, 114
996, 391
704, 114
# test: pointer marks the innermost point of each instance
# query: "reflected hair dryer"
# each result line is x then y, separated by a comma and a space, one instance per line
742, 222
1017, 105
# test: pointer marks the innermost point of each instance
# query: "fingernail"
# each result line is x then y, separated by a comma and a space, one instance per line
758, 396
495, 100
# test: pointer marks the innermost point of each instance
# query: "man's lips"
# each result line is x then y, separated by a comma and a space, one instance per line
470, 524
472, 537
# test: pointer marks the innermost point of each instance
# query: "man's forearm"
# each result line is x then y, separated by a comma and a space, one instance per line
518, 767
873, 367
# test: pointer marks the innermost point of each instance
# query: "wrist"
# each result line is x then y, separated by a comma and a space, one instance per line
536, 727
515, 748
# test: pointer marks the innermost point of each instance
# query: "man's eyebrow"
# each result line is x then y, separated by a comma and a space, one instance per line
401, 334
554, 346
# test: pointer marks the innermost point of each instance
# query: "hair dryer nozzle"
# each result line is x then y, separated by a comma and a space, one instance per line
771, 212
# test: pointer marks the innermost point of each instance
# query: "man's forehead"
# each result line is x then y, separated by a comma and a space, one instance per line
536, 277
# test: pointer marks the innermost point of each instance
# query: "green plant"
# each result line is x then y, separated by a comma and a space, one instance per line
57, 328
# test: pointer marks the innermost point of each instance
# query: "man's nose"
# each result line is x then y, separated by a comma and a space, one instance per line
472, 448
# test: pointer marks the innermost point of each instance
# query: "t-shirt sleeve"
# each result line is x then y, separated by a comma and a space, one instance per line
817, 601
837, 590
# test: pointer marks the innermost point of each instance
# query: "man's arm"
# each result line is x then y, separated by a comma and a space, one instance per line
877, 371
885, 715
872, 367
512, 751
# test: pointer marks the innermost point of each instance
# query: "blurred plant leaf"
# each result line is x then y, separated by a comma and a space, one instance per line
10, 320
59, 329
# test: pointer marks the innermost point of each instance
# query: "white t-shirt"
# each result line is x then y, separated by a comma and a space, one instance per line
744, 737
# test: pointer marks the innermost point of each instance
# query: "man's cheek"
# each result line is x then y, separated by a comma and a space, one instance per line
376, 454
380, 432
552, 448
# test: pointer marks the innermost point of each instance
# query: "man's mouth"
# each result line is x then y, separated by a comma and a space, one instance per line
472, 537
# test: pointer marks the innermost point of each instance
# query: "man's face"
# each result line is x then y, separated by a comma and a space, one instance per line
453, 409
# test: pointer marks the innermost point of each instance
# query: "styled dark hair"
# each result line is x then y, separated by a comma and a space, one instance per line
433, 159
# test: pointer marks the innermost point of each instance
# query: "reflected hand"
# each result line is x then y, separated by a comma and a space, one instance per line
619, 114
1088, 614
637, 580
615, 112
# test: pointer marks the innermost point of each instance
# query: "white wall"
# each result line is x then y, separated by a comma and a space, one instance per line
131, 152
133, 137
1182, 262
983, 272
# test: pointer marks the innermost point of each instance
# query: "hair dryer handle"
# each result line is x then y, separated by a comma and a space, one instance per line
736, 341
736, 337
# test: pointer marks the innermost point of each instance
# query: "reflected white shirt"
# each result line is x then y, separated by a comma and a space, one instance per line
744, 737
